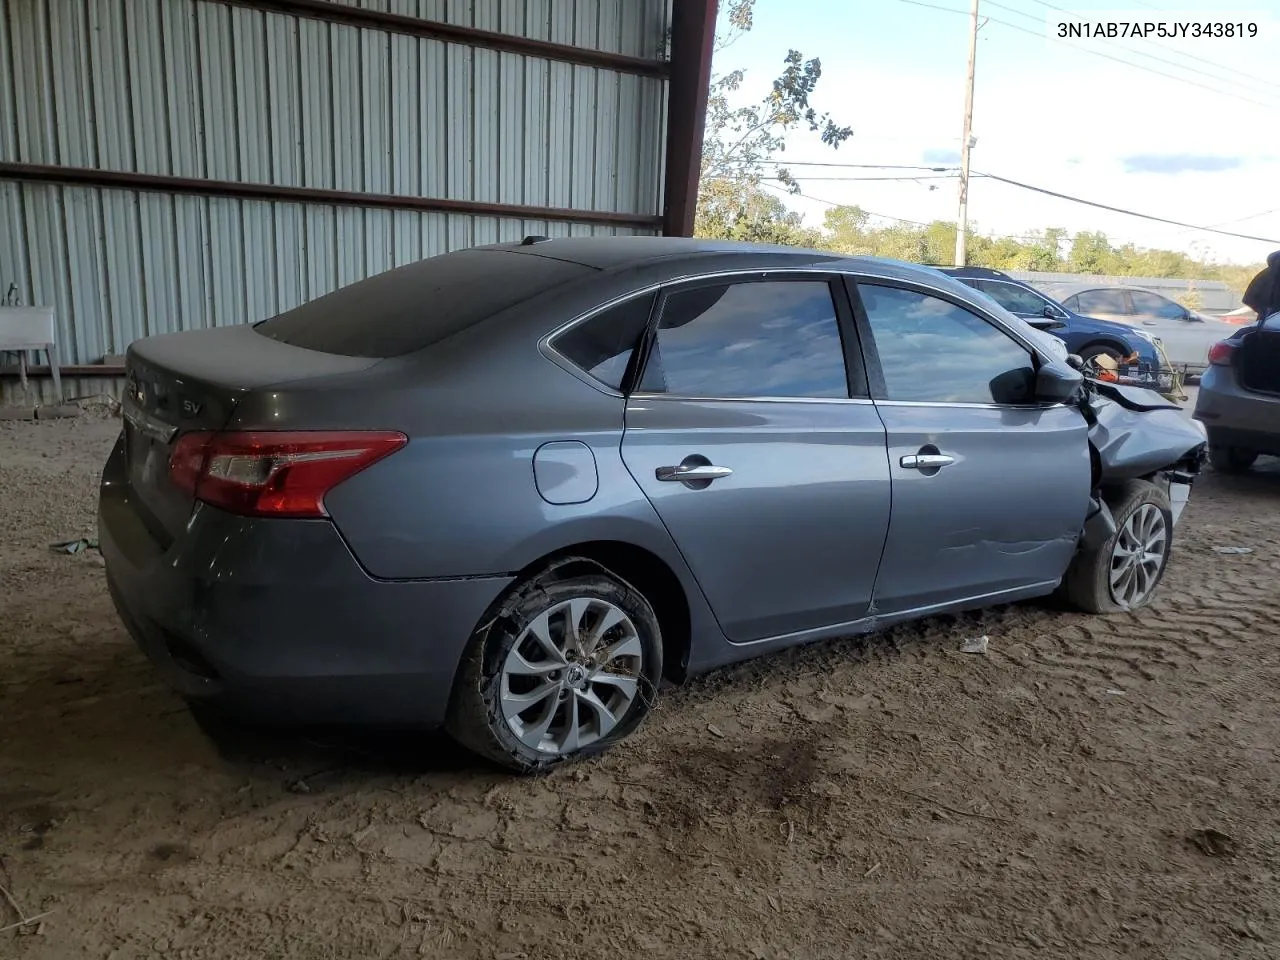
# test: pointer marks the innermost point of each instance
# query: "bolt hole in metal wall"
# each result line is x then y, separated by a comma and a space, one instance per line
550, 122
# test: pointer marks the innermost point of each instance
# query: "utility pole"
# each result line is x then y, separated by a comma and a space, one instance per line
962, 221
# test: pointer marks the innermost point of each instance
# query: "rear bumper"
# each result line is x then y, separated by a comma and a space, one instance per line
1236, 417
1268, 443
275, 620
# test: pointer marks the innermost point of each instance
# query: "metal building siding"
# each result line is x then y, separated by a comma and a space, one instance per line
143, 263
200, 89
634, 27
205, 90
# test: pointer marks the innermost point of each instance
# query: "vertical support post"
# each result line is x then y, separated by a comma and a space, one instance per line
962, 220
693, 30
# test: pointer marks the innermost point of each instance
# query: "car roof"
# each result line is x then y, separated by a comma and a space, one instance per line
609, 253
1061, 291
605, 253
622, 253
979, 273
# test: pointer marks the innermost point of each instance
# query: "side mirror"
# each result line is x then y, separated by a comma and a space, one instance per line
1075, 361
1058, 382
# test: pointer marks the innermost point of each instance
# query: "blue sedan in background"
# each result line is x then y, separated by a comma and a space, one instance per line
1137, 356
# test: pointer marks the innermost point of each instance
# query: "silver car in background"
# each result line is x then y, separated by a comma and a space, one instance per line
1185, 335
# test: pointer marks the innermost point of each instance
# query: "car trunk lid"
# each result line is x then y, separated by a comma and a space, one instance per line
182, 383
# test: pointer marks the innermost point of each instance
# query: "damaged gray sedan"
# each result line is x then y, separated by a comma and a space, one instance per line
509, 490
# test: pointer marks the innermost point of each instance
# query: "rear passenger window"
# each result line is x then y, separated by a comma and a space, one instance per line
754, 339
602, 345
1101, 301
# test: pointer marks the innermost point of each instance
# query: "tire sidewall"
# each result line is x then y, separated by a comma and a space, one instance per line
1149, 495
502, 634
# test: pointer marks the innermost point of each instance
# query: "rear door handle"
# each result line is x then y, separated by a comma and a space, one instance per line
683, 473
926, 461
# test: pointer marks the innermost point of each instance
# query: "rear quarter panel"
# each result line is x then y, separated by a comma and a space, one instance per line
461, 499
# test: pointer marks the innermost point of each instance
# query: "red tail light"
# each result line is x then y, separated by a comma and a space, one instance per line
1220, 353
271, 474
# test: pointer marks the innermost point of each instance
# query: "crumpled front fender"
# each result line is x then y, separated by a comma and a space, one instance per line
1137, 434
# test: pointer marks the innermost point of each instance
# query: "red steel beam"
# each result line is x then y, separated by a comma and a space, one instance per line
118, 179
693, 30
453, 33
82, 370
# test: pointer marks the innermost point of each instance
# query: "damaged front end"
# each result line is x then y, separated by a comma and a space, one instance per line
1134, 434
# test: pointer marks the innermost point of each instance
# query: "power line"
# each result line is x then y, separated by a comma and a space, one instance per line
833, 203
1013, 236
1224, 223
1252, 216
862, 166
1185, 56
1098, 53
885, 216
934, 176
1129, 213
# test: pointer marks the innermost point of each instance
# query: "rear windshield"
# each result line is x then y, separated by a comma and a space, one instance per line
414, 306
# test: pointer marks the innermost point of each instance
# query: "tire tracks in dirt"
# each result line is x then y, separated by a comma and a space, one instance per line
1171, 637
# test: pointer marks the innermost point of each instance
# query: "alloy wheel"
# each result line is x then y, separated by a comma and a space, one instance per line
1138, 555
572, 675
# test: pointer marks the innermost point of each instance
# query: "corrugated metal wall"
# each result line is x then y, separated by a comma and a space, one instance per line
197, 88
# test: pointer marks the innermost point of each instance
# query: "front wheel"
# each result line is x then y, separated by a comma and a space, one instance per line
1123, 572
568, 668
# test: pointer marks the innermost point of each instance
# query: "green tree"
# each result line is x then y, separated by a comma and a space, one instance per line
733, 211
1092, 253
846, 230
740, 141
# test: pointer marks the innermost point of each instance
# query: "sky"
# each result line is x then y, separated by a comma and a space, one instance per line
1051, 114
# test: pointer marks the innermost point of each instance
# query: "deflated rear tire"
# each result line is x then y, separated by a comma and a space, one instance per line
567, 668
1124, 571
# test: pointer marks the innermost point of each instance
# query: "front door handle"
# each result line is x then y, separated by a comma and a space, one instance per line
927, 461
686, 472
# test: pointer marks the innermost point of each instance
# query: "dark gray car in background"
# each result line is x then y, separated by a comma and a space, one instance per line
511, 489
1239, 396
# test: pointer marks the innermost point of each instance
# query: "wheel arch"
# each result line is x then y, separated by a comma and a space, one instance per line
1103, 341
640, 568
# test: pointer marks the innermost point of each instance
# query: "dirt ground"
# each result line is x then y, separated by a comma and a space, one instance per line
889, 797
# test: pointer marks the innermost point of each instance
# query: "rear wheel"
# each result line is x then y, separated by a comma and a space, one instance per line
1123, 572
1231, 459
568, 668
